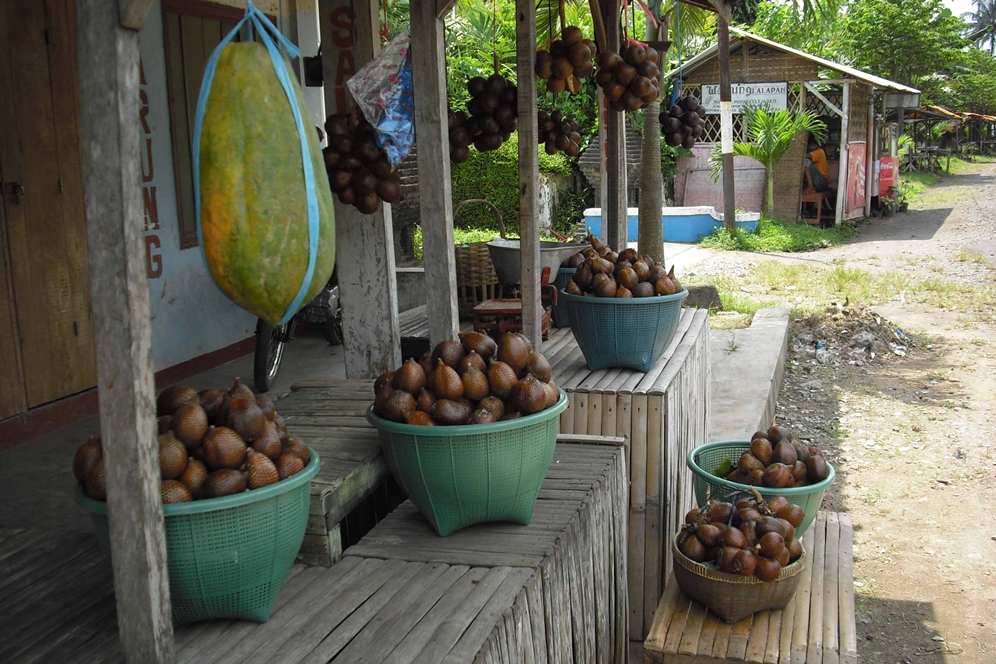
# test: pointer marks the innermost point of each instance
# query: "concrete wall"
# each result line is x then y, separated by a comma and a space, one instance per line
190, 315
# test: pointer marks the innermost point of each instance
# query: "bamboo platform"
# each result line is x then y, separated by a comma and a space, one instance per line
553, 591
817, 626
663, 415
330, 416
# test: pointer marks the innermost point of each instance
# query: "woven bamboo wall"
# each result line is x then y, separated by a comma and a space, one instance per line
857, 128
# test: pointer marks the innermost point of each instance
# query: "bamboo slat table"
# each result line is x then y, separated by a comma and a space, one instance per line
817, 626
663, 414
553, 591
330, 416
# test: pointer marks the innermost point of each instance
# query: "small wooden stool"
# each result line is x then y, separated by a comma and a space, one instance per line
816, 627
496, 317
815, 197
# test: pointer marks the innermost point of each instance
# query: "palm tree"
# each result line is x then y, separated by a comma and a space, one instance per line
771, 135
983, 24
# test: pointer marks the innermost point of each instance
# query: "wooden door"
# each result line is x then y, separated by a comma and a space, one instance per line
44, 231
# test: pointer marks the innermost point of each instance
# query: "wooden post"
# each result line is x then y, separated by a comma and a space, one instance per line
845, 107
726, 114
434, 185
871, 153
529, 244
364, 242
109, 103
615, 207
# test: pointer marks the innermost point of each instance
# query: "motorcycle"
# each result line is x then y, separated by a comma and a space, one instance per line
325, 311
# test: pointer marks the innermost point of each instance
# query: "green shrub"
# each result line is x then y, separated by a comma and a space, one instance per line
775, 235
495, 176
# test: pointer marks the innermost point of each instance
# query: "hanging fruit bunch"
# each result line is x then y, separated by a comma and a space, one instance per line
211, 444
631, 80
683, 123
778, 461
567, 62
358, 169
559, 133
493, 111
471, 381
751, 538
460, 137
602, 272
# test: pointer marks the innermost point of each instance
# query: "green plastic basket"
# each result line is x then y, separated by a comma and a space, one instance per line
228, 557
623, 332
474, 473
705, 459
560, 318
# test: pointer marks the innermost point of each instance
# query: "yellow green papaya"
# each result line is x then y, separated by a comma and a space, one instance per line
254, 207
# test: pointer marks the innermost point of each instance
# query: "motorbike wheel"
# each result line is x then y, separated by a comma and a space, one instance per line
332, 329
269, 352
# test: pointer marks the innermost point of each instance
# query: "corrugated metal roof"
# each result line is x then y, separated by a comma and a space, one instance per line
847, 71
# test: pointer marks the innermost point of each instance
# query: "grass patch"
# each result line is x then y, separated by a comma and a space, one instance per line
812, 286
965, 256
775, 235
914, 184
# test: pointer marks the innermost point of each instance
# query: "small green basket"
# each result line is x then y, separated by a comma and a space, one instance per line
705, 459
623, 332
228, 557
473, 473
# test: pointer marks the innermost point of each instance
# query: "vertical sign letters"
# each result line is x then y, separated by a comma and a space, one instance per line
153, 246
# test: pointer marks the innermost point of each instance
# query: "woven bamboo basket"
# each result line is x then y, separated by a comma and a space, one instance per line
475, 274
732, 596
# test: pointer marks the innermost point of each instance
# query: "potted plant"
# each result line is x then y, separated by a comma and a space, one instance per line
889, 206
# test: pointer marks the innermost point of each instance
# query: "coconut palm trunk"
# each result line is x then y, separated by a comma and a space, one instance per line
651, 227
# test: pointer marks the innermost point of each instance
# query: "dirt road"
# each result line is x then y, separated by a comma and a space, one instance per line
908, 418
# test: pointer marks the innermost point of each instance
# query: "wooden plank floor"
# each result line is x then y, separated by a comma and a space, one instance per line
816, 627
551, 591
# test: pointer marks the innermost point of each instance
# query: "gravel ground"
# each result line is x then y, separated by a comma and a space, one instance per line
902, 397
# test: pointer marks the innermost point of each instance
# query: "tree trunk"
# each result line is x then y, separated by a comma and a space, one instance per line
651, 229
651, 186
769, 175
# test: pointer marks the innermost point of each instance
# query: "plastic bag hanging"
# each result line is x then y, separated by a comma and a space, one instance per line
382, 89
264, 211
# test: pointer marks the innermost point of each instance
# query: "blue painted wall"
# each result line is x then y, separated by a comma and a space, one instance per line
190, 315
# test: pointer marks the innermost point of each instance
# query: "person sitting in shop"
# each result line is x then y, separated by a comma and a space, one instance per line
817, 171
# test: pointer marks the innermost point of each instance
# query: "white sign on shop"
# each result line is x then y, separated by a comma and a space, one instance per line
771, 96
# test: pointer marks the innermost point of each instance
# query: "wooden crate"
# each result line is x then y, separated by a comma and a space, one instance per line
816, 627
663, 415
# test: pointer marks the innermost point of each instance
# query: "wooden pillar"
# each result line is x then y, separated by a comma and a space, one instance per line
871, 153
726, 114
434, 184
529, 244
845, 107
109, 103
364, 242
616, 204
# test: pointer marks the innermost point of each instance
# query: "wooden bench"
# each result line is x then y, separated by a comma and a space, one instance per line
817, 626
552, 591
663, 415
330, 416
815, 197
414, 327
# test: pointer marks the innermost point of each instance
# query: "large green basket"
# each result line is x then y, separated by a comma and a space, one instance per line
623, 332
228, 557
705, 459
461, 475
